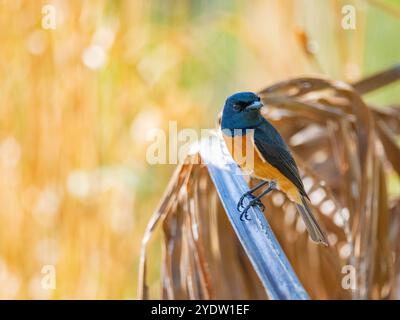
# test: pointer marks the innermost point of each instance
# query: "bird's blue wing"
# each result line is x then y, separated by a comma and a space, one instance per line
272, 148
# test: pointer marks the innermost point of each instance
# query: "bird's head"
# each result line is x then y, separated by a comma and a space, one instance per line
241, 111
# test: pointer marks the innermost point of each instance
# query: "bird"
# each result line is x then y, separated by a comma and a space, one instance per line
244, 127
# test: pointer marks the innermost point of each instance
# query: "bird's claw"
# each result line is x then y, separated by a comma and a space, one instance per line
244, 216
244, 196
254, 202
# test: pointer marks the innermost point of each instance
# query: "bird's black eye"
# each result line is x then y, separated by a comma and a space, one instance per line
239, 106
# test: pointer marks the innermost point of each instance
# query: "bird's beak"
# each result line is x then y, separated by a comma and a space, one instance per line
256, 105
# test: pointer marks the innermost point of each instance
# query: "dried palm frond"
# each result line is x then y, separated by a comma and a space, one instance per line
346, 151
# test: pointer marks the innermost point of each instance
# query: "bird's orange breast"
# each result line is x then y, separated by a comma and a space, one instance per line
248, 157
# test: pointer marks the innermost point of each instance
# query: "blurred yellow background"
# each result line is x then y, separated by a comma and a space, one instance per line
77, 101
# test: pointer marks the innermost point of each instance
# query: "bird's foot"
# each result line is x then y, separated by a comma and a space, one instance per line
254, 202
245, 195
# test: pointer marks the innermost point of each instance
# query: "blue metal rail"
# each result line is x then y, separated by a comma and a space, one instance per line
255, 235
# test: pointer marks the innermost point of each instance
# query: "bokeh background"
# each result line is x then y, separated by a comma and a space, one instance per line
77, 101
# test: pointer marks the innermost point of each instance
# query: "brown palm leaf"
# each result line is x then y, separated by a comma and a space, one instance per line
346, 151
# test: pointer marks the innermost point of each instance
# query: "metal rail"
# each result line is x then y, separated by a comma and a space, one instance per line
255, 235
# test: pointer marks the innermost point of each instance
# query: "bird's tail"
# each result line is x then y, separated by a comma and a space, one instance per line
311, 223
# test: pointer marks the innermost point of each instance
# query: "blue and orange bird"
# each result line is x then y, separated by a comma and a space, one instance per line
271, 161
